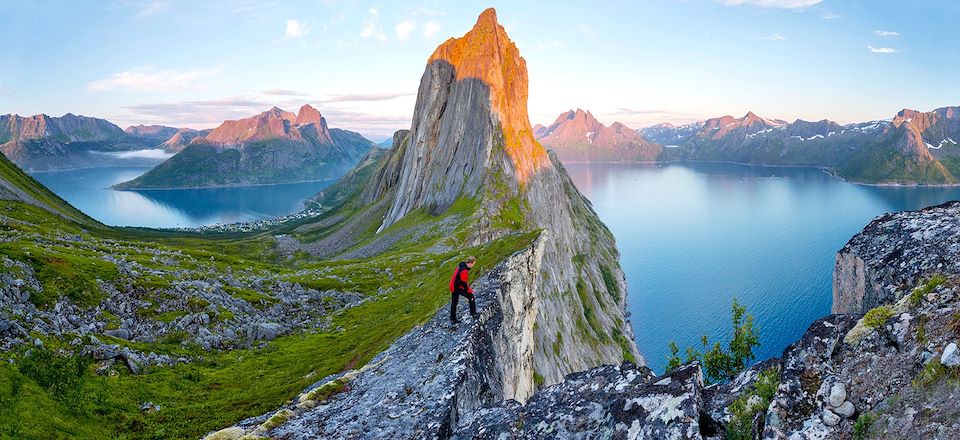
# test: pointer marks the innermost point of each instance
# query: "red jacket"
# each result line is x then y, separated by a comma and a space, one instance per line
458, 282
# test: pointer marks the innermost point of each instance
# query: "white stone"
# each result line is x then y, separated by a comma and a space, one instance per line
846, 410
950, 356
837, 395
830, 418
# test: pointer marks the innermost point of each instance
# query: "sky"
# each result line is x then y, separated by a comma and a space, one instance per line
197, 63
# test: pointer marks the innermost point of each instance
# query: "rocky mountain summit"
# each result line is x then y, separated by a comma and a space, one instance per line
576, 136
471, 140
158, 133
912, 148
275, 146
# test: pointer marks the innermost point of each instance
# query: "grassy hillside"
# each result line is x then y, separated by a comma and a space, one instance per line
49, 394
12, 174
882, 163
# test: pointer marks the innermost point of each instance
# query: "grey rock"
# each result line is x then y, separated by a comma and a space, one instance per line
838, 393
893, 250
950, 356
120, 333
845, 410
830, 418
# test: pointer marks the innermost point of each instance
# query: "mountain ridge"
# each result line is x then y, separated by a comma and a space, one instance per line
274, 146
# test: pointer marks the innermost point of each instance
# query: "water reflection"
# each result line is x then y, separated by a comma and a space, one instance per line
693, 236
88, 190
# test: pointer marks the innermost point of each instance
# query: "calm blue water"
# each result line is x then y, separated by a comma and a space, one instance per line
694, 236
87, 190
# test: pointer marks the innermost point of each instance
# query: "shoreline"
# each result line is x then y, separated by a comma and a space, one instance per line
826, 170
251, 185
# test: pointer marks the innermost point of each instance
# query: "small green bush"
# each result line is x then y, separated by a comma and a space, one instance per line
916, 296
538, 379
877, 316
719, 363
742, 412
63, 376
862, 426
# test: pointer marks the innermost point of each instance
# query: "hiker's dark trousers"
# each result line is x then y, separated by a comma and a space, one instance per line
455, 296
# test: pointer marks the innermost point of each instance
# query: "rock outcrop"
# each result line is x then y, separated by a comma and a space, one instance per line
471, 139
470, 381
433, 376
893, 251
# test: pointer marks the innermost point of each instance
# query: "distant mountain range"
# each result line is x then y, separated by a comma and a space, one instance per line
576, 136
275, 146
42, 142
914, 148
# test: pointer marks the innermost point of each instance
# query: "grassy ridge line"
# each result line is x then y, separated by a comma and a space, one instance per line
227, 387
13, 174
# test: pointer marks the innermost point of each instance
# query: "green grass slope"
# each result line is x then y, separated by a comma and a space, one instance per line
51, 394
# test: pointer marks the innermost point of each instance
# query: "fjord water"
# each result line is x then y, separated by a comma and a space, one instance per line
88, 190
694, 236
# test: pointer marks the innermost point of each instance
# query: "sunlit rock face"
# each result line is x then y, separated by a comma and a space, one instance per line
471, 138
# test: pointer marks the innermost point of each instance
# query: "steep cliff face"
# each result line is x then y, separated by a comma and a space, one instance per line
893, 251
471, 139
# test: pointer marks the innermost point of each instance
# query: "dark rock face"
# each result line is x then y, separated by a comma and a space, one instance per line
893, 251
624, 401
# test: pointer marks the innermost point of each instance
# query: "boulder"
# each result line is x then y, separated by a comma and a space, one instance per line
950, 356
845, 410
838, 393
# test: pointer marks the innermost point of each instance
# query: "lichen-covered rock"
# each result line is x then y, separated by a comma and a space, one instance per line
625, 402
428, 379
894, 250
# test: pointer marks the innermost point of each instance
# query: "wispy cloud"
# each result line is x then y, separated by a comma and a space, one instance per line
830, 16
587, 30
781, 4
149, 78
775, 37
405, 28
882, 49
296, 29
430, 28
371, 26
887, 34
283, 92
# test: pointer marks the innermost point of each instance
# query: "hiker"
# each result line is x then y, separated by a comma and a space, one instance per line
459, 286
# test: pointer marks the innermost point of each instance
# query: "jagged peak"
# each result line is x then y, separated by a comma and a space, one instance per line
487, 54
307, 114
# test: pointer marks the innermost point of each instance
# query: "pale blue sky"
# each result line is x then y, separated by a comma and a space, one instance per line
640, 62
